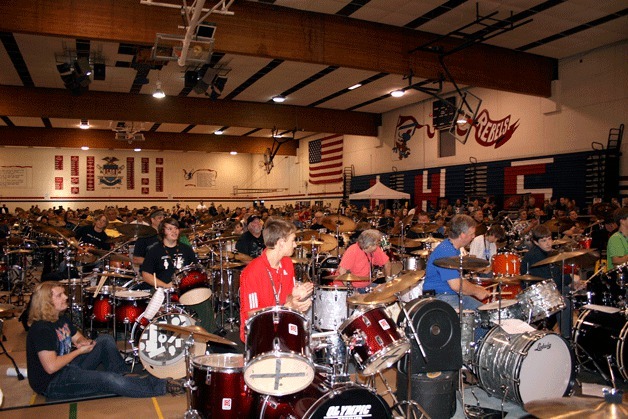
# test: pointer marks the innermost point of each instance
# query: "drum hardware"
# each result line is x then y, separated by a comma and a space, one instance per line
614, 405
223, 267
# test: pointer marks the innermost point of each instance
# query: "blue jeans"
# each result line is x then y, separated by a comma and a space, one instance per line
81, 379
468, 303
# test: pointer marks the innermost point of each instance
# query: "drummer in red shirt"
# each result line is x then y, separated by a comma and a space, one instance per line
362, 256
268, 280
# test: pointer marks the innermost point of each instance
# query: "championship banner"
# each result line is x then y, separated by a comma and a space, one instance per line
74, 165
144, 165
130, 173
58, 162
159, 179
91, 180
58, 183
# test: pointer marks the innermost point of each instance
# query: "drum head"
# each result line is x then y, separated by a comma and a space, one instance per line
495, 305
350, 400
132, 295
279, 375
536, 381
219, 362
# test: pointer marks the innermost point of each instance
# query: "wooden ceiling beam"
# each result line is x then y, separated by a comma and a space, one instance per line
276, 32
58, 103
160, 141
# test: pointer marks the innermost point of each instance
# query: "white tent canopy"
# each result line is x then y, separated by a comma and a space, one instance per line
379, 191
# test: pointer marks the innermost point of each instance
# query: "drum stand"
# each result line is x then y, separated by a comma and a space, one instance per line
231, 320
190, 385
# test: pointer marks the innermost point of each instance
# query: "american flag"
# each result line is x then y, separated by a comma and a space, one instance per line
326, 160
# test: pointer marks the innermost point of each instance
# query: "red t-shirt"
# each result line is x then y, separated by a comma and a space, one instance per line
256, 288
356, 261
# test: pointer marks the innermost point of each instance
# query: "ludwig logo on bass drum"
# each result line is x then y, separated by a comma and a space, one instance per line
352, 411
542, 346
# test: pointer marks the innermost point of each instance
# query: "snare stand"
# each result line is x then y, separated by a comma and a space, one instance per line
190, 385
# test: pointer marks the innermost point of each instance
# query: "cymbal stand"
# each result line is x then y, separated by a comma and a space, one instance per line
565, 315
189, 384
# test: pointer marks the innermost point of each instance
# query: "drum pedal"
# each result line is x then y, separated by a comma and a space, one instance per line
477, 412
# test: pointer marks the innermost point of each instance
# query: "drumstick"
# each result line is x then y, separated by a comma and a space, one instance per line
100, 285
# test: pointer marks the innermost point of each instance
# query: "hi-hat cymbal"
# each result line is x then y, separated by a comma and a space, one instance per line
566, 256
507, 280
360, 299
197, 332
348, 277
135, 230
466, 262
430, 240
424, 228
300, 261
306, 234
577, 407
422, 253
344, 224
396, 241
221, 239
310, 243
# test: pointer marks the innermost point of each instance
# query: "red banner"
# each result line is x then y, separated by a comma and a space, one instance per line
144, 165
58, 162
159, 161
90, 184
58, 183
74, 165
74, 180
75, 190
130, 173
159, 179
144, 191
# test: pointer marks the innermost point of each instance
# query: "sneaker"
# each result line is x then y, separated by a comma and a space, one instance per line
175, 387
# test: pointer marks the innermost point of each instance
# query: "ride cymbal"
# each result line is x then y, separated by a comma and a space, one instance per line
566, 256
577, 407
135, 230
197, 332
469, 263
344, 224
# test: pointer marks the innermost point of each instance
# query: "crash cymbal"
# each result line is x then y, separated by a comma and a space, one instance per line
227, 265
98, 252
65, 232
327, 243
407, 220
577, 407
467, 262
553, 225
424, 228
197, 332
565, 240
203, 250
348, 277
300, 261
402, 283
19, 251
566, 256
430, 240
360, 299
344, 224
310, 243
506, 280
221, 239
135, 230
56, 222
242, 257
396, 241
306, 234
119, 258
528, 278
115, 275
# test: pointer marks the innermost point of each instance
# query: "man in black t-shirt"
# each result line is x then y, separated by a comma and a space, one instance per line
95, 234
251, 242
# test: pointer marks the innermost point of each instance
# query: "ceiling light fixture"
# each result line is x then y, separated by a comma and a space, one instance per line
137, 149
233, 153
84, 124
84, 148
397, 93
279, 99
355, 86
158, 93
219, 132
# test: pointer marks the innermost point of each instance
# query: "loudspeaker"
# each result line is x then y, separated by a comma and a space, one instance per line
435, 392
438, 328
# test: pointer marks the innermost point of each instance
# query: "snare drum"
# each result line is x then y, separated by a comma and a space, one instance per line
491, 313
193, 285
319, 400
541, 300
330, 307
278, 355
599, 335
162, 352
74, 290
99, 309
585, 242
219, 388
375, 340
524, 367
329, 267
506, 264
413, 263
130, 304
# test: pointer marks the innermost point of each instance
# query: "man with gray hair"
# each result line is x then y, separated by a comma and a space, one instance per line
361, 256
447, 282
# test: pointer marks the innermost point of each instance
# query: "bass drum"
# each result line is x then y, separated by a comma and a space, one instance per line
320, 400
524, 367
161, 351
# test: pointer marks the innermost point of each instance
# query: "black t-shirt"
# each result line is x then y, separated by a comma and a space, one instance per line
250, 245
165, 261
46, 336
143, 243
87, 234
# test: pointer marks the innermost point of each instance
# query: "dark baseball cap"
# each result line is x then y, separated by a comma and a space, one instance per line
156, 213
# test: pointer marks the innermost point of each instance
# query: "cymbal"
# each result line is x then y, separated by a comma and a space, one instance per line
306, 234
119, 258
577, 407
396, 241
115, 275
227, 265
7, 310
98, 252
197, 228
19, 251
424, 228
553, 225
15, 240
402, 283
135, 230
49, 246
565, 256
348, 277
430, 240
65, 232
528, 278
56, 222
344, 224
300, 261
507, 280
565, 240
327, 243
467, 262
311, 242
221, 239
197, 332
360, 299
407, 220
242, 257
